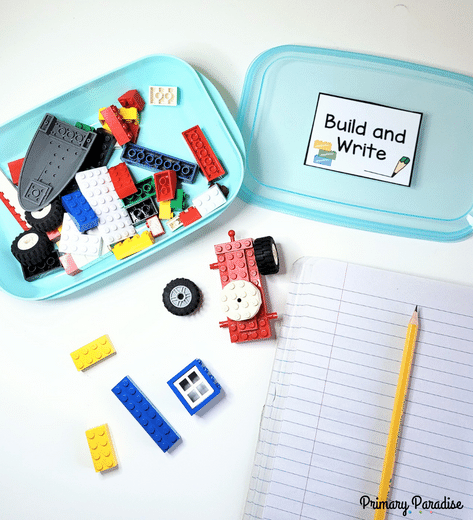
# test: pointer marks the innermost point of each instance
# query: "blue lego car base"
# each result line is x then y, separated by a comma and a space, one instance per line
146, 414
80, 211
194, 386
157, 161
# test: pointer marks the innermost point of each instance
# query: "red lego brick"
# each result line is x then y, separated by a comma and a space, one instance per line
256, 328
122, 180
119, 128
203, 153
236, 261
166, 183
134, 128
132, 98
14, 213
189, 216
15, 170
54, 235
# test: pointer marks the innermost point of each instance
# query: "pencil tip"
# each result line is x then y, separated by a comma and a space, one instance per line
415, 310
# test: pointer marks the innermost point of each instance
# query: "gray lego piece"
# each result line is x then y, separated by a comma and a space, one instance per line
54, 156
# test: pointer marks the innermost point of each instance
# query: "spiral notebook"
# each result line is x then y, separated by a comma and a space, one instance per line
326, 419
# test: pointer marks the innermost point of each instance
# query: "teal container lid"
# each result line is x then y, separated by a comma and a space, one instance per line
276, 115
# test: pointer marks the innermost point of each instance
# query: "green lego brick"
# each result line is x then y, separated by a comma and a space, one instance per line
177, 202
146, 189
85, 127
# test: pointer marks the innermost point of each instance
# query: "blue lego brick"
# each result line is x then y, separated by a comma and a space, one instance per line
80, 211
194, 386
322, 160
157, 161
146, 414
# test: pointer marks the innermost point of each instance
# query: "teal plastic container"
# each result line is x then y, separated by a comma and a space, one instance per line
276, 115
161, 128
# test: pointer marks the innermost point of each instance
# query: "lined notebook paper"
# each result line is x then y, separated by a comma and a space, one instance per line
326, 420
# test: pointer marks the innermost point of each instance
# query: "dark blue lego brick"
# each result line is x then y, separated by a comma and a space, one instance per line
146, 414
157, 161
194, 386
80, 211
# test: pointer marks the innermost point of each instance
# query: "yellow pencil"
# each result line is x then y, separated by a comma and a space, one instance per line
398, 408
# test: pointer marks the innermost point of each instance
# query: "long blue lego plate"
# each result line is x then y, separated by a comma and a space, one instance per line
199, 103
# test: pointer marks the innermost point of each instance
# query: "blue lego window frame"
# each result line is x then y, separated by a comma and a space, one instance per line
210, 380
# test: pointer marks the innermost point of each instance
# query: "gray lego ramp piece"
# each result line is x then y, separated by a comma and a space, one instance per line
54, 156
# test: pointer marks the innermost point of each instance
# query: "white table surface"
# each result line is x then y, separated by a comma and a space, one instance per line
48, 48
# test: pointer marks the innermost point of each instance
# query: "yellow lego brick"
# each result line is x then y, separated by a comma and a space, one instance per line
101, 448
165, 210
133, 245
93, 352
323, 145
130, 114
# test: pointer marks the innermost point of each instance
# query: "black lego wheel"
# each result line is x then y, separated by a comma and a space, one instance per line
181, 297
266, 255
31, 247
47, 219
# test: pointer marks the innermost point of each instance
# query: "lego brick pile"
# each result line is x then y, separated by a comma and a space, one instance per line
74, 209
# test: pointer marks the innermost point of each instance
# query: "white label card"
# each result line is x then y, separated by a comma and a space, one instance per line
364, 139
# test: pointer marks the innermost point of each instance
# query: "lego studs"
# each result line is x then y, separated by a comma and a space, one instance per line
240, 300
101, 448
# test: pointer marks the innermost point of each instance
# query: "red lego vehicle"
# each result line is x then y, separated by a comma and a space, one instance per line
241, 264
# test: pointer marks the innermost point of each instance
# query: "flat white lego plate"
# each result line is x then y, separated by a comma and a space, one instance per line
199, 103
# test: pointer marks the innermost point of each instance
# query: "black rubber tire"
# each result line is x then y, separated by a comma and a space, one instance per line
31, 247
266, 255
49, 222
181, 297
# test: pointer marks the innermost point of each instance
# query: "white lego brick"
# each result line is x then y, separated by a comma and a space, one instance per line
163, 96
77, 243
114, 222
84, 261
155, 226
210, 200
10, 192
174, 223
